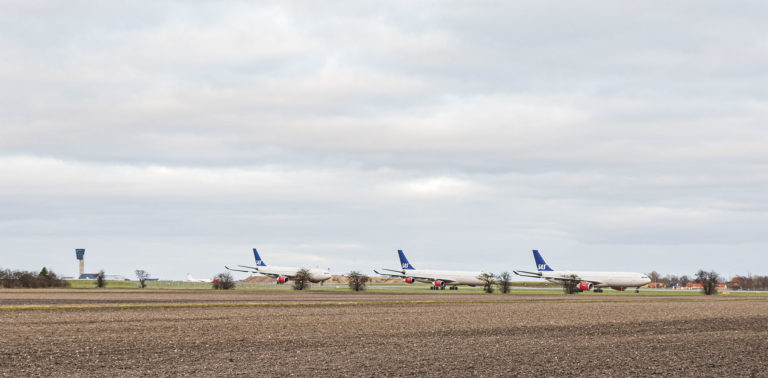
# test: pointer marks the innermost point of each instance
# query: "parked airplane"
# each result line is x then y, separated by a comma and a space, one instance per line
586, 280
282, 274
438, 278
190, 279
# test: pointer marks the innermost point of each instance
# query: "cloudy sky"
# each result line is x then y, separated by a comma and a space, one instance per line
176, 136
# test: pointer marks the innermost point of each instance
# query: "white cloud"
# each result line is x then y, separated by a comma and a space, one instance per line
451, 126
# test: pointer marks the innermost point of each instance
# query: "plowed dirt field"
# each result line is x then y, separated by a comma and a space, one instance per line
132, 333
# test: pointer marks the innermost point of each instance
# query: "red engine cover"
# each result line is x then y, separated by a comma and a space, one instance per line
438, 283
409, 280
585, 286
282, 279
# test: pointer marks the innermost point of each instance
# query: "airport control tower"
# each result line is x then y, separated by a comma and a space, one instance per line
80, 253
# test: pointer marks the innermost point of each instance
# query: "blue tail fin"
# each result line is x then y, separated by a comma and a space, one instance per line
259, 261
403, 261
541, 265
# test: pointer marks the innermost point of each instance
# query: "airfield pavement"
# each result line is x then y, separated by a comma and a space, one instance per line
316, 333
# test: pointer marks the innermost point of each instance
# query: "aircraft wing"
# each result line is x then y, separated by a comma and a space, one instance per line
238, 270
445, 280
389, 274
574, 279
399, 273
528, 274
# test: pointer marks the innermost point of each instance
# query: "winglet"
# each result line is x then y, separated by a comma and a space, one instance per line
541, 265
403, 261
259, 261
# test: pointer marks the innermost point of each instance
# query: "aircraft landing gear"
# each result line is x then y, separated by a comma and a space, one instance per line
454, 288
637, 290
597, 290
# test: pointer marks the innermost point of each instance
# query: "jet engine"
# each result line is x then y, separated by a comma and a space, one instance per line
585, 286
409, 280
438, 283
282, 279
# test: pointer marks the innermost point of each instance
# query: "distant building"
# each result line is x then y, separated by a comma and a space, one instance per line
695, 286
108, 277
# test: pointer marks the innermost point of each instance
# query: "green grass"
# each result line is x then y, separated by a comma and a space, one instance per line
532, 288
91, 284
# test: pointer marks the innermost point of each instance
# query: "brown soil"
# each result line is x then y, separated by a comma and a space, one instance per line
540, 335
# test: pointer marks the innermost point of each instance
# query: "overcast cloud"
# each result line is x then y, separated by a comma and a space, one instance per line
176, 136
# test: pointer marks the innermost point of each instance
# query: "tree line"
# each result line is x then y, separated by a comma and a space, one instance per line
739, 282
749, 282
707, 280
27, 279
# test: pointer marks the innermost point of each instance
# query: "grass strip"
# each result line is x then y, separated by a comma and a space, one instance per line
367, 303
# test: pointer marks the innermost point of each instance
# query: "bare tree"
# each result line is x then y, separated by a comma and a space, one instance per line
223, 281
670, 280
504, 281
488, 281
100, 280
708, 281
654, 276
570, 286
142, 276
749, 282
5, 278
44, 277
761, 283
736, 283
53, 280
357, 280
301, 280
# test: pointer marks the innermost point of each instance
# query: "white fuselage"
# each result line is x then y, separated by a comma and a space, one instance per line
190, 279
451, 277
315, 275
605, 279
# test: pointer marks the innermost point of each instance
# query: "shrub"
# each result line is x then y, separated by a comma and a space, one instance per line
488, 282
142, 276
301, 280
357, 280
504, 281
570, 286
708, 281
23, 279
223, 281
100, 281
